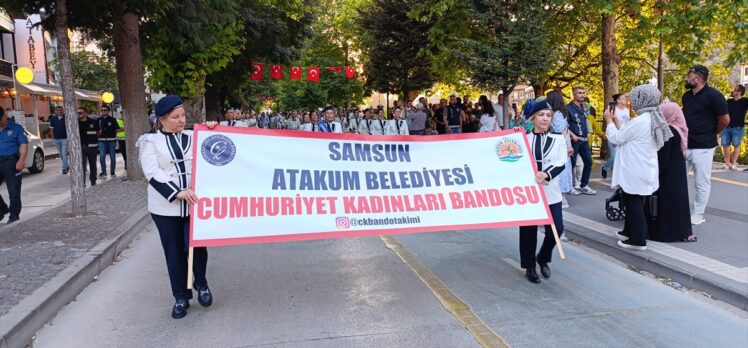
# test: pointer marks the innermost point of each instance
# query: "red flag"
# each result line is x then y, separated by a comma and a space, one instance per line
312, 74
336, 69
276, 72
296, 73
349, 72
257, 71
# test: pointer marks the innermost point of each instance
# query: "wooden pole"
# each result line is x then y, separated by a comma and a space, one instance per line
191, 254
555, 236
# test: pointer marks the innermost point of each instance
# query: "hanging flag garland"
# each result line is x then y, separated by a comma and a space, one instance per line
312, 73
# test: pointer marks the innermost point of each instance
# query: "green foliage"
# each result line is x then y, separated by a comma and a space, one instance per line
193, 40
90, 71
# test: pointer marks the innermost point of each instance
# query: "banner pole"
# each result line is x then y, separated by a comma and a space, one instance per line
189, 267
555, 236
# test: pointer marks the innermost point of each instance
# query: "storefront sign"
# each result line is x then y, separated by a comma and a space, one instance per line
30, 47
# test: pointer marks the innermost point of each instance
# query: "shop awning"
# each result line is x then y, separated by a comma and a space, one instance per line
56, 91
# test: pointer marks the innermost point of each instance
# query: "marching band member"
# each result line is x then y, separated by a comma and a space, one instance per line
166, 158
377, 127
550, 154
396, 126
354, 121
240, 119
330, 125
228, 118
313, 125
366, 122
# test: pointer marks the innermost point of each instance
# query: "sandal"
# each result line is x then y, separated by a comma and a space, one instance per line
691, 238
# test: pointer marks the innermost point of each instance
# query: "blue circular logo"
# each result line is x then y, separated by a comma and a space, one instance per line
218, 150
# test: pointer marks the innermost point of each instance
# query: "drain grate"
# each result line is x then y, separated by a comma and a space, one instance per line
727, 214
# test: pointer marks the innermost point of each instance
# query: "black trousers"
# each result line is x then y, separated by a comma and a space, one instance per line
528, 240
635, 224
12, 179
123, 149
582, 148
174, 232
89, 155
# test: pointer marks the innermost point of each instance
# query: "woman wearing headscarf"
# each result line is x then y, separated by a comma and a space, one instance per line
549, 152
673, 220
635, 168
166, 159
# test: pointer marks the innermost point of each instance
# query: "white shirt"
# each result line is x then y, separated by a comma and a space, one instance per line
635, 168
310, 127
354, 124
294, 123
252, 122
623, 115
488, 123
396, 127
498, 111
373, 126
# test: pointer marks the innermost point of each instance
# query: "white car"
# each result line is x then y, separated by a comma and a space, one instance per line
35, 155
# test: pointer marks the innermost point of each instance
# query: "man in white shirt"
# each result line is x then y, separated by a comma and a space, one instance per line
329, 125
363, 127
396, 126
354, 121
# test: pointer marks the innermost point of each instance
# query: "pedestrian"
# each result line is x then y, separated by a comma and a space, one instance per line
108, 128
623, 114
550, 155
579, 138
166, 159
452, 116
329, 125
560, 125
121, 143
636, 168
263, 121
89, 134
737, 107
441, 127
14, 145
60, 136
294, 123
396, 126
672, 222
489, 120
705, 109
501, 112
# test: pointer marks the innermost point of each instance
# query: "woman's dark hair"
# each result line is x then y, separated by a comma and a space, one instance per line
556, 99
486, 107
616, 96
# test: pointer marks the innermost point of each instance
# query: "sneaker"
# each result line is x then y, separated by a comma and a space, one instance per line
621, 236
565, 204
114, 175
734, 166
102, 175
726, 166
604, 173
563, 238
697, 219
587, 190
64, 172
574, 192
626, 245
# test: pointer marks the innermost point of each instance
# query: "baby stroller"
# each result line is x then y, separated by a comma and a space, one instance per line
613, 213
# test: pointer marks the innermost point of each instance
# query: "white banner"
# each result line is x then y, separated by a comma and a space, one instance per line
257, 185
30, 47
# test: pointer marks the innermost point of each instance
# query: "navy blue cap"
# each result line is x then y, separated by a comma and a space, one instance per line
531, 107
167, 104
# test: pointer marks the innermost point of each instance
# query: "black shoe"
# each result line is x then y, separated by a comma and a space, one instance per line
180, 309
64, 172
93, 183
2, 214
545, 271
12, 219
532, 275
102, 175
204, 297
114, 175
604, 173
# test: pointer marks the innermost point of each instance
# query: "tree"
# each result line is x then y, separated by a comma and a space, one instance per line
90, 71
200, 38
394, 63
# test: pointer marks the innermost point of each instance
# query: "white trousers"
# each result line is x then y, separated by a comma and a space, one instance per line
700, 161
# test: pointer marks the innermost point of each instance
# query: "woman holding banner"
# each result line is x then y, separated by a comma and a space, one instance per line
550, 154
166, 158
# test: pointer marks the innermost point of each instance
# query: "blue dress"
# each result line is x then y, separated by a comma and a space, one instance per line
560, 125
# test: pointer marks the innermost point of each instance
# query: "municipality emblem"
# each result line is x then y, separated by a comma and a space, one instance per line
218, 150
509, 150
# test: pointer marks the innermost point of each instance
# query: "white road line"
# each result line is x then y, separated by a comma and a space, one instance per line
706, 263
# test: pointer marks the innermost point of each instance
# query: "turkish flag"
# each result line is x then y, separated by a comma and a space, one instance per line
312, 74
296, 73
349, 72
336, 69
276, 72
257, 71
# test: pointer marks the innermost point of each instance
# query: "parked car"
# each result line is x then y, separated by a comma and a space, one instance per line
35, 156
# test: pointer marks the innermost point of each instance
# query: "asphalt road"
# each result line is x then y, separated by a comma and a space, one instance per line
359, 293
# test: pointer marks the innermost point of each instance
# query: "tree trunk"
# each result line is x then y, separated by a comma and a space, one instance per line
661, 68
611, 62
77, 195
212, 108
131, 84
194, 107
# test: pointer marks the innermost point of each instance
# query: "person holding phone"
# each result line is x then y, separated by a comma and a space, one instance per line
14, 145
619, 107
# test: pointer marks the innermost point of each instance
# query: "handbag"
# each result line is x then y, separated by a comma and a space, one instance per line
650, 206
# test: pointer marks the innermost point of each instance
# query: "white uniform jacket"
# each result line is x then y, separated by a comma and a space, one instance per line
396, 127
310, 127
550, 154
166, 159
373, 126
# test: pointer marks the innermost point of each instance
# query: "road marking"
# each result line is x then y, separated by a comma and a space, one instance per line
706, 263
459, 309
727, 181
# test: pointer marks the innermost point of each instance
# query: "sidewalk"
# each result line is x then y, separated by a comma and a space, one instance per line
49, 258
717, 264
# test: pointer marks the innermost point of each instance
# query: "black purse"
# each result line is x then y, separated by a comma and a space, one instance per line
650, 206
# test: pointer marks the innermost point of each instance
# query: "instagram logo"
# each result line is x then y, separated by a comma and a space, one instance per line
342, 222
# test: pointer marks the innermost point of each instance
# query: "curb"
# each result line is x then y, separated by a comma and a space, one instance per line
661, 267
19, 326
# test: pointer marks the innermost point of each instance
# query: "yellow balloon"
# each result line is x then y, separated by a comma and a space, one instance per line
107, 97
24, 75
